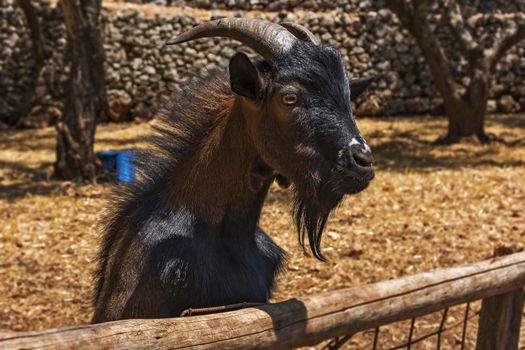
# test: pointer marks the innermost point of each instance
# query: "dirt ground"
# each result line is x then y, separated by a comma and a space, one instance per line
429, 207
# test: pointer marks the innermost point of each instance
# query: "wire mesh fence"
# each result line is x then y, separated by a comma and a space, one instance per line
457, 324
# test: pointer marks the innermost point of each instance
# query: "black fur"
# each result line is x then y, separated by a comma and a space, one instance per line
329, 121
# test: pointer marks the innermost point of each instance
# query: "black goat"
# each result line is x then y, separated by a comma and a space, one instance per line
186, 234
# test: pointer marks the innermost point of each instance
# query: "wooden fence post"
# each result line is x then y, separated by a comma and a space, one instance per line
500, 317
499, 322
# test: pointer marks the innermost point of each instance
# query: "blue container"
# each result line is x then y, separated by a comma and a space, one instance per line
120, 164
126, 166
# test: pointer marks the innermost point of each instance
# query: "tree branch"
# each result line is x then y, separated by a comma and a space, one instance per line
40, 54
511, 38
37, 37
415, 19
403, 13
470, 49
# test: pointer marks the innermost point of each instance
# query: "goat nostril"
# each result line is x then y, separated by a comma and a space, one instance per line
362, 159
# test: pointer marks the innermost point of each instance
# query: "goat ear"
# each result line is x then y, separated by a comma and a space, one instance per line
244, 78
357, 86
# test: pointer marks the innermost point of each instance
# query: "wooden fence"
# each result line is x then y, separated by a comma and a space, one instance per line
313, 319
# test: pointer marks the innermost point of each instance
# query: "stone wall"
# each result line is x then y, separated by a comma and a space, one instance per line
328, 5
140, 69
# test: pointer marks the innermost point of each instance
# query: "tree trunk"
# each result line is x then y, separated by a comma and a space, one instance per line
85, 99
466, 114
466, 118
39, 51
465, 124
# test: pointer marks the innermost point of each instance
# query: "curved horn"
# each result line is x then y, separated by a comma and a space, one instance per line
301, 32
266, 38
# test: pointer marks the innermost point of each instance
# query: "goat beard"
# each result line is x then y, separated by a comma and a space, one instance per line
312, 207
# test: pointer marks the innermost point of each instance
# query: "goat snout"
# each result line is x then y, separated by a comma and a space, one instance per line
361, 156
356, 160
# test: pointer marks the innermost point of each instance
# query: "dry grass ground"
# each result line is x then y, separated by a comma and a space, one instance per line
429, 207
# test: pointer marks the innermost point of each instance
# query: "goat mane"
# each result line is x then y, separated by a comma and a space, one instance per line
181, 124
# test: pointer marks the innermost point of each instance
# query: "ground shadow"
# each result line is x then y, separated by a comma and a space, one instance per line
25, 172
511, 120
27, 181
402, 155
415, 149
19, 190
19, 181
16, 139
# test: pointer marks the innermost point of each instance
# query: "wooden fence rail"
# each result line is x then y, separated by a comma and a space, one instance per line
312, 319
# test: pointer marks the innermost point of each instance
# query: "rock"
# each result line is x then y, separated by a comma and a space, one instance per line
327, 22
507, 104
39, 117
369, 107
119, 103
385, 13
394, 106
150, 70
141, 111
381, 31
492, 106
325, 37
518, 91
385, 65
188, 52
522, 103
136, 63
12, 40
170, 75
417, 105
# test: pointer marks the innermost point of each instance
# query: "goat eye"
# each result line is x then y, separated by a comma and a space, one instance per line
290, 99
